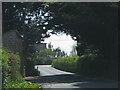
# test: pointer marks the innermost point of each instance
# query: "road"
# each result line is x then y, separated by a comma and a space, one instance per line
54, 78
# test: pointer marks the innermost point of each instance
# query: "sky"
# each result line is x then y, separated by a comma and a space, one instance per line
65, 42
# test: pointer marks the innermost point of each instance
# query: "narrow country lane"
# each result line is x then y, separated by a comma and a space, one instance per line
54, 78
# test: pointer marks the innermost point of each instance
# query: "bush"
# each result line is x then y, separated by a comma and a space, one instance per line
11, 71
5, 66
66, 64
45, 56
22, 84
86, 64
10, 66
90, 65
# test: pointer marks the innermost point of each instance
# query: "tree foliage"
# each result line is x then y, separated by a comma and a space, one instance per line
47, 53
87, 65
94, 25
45, 56
59, 52
29, 21
91, 23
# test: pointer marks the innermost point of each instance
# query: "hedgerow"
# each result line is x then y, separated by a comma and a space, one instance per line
66, 64
11, 77
90, 65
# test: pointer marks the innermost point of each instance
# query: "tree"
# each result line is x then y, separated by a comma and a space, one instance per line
91, 23
59, 53
50, 46
95, 27
45, 56
30, 21
73, 52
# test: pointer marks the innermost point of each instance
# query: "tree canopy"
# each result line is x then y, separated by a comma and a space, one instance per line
91, 23
94, 25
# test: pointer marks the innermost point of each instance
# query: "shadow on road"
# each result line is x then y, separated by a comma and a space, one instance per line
62, 78
78, 81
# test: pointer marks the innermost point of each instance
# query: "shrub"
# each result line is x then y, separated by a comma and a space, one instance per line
66, 64
45, 56
87, 64
11, 71
22, 84
10, 66
5, 66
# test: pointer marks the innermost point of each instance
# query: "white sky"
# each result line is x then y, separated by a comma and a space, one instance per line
65, 42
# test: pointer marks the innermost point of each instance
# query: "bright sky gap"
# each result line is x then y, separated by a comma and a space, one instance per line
65, 42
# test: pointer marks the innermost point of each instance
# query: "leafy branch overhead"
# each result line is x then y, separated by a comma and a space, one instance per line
91, 23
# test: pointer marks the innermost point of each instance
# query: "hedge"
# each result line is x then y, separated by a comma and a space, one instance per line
11, 77
89, 65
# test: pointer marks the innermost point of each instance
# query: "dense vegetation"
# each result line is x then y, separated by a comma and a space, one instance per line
92, 25
12, 77
95, 26
45, 56
32, 32
89, 65
66, 64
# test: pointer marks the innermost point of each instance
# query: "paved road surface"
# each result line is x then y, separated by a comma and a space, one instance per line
54, 78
